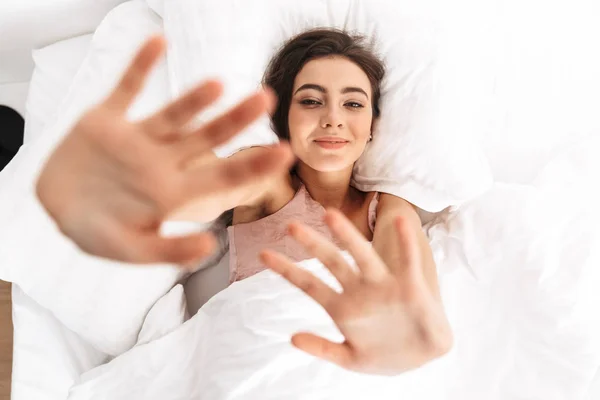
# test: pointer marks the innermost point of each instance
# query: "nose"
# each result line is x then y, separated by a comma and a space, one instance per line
331, 118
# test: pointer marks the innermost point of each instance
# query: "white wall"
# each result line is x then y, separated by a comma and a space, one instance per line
14, 96
30, 24
27, 24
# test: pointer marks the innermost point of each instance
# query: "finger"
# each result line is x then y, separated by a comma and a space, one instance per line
230, 173
321, 247
337, 353
133, 79
184, 251
410, 251
302, 279
367, 259
166, 124
224, 127
271, 99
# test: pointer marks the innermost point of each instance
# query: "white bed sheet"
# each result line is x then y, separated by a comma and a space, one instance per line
519, 282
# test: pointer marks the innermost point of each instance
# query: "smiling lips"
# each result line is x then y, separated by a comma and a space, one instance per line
331, 142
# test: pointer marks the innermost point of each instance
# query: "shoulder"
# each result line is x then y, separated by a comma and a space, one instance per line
389, 204
262, 191
265, 198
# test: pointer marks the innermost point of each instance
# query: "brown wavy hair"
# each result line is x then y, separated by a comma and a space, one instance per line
313, 44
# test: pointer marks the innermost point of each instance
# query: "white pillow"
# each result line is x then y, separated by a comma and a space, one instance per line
423, 148
157, 6
538, 87
55, 68
168, 313
47, 357
104, 302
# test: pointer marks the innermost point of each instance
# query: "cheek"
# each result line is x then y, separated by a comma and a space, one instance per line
361, 126
300, 123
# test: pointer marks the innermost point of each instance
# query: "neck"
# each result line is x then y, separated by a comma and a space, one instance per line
330, 189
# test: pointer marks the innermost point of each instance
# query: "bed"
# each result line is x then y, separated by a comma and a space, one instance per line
53, 362
47, 357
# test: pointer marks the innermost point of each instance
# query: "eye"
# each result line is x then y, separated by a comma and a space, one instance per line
310, 102
354, 104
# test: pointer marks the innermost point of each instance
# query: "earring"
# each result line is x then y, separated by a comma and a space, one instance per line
370, 137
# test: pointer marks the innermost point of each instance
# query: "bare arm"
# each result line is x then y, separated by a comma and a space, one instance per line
253, 193
384, 239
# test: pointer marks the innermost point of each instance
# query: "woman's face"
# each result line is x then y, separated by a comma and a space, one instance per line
330, 114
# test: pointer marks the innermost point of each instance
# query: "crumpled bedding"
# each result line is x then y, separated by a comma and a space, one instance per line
519, 269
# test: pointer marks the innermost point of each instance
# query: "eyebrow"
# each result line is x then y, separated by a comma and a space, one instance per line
350, 89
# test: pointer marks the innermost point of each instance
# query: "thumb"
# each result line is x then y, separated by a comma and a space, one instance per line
184, 250
337, 353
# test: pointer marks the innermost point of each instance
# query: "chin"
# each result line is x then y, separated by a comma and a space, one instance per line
330, 163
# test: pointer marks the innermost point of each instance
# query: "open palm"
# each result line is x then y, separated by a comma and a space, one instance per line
390, 319
111, 182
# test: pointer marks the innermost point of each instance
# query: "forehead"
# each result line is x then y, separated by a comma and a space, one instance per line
333, 73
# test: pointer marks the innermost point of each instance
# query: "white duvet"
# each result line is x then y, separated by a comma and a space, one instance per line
519, 270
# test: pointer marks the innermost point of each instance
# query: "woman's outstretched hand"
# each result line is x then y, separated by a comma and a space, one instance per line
111, 183
388, 315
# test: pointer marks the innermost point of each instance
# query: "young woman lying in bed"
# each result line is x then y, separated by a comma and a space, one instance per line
119, 180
